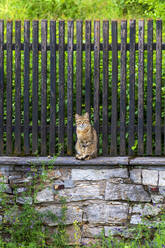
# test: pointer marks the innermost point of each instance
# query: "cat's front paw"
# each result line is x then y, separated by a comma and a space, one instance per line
78, 157
87, 157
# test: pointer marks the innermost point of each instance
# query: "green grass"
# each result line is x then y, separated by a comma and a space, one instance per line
81, 9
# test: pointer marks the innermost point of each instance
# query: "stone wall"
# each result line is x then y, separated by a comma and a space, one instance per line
109, 197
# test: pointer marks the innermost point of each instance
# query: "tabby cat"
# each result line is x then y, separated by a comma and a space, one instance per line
86, 146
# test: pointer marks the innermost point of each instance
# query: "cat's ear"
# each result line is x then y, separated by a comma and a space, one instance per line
77, 116
86, 115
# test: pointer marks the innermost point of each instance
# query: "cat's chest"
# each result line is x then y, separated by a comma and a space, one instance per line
83, 134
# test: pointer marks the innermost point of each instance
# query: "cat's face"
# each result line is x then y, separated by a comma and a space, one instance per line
82, 121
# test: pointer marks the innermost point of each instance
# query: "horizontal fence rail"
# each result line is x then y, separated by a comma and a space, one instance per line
51, 70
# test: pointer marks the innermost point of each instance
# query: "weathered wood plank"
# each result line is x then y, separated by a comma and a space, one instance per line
26, 85
113, 148
149, 86
61, 86
35, 88
105, 86
96, 75
88, 66
70, 89
17, 129
141, 89
1, 86
79, 29
9, 89
52, 133
123, 87
131, 130
43, 86
158, 146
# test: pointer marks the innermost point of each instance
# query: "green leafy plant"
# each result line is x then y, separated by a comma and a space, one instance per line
23, 226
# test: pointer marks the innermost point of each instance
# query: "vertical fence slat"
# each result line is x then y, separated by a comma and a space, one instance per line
131, 131
61, 85
88, 66
96, 75
158, 147
26, 85
35, 88
141, 89
17, 87
9, 89
79, 26
70, 89
113, 148
149, 86
1, 85
123, 87
43, 85
105, 86
52, 136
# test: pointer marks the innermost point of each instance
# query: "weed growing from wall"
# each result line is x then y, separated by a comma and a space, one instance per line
22, 226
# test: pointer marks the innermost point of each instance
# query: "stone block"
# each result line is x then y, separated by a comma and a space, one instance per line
5, 169
136, 219
72, 213
3, 178
128, 192
135, 176
98, 174
54, 174
117, 231
46, 195
5, 188
68, 183
85, 242
150, 177
20, 190
91, 231
81, 192
157, 198
24, 200
71, 232
161, 178
106, 213
146, 210
17, 180
162, 190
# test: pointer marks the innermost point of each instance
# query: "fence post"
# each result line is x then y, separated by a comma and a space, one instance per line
9, 89
113, 148
35, 89
141, 89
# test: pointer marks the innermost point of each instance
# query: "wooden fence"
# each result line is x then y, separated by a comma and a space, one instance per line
47, 77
